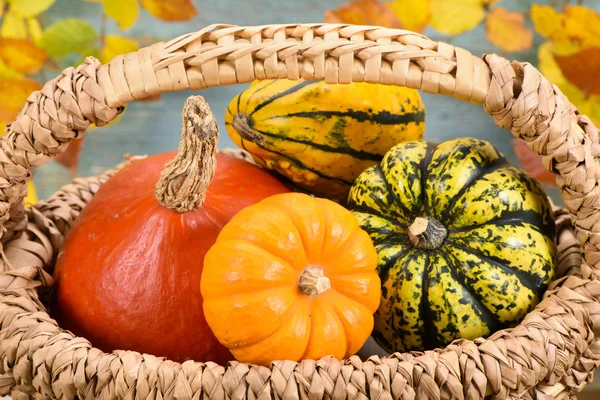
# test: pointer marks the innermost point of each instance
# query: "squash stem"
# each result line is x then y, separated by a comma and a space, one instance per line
313, 281
427, 233
244, 126
184, 180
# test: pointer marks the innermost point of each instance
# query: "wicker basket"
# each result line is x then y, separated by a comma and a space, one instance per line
551, 354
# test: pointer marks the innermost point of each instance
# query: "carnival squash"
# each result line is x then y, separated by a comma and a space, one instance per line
129, 271
292, 277
465, 241
322, 136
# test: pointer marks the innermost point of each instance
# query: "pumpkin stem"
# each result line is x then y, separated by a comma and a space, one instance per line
244, 126
313, 281
184, 180
427, 233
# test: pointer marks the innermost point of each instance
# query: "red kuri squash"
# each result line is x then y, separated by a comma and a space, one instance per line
129, 271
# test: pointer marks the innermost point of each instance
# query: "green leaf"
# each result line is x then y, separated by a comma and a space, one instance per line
124, 12
29, 8
67, 36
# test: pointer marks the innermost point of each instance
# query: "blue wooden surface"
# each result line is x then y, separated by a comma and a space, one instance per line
150, 128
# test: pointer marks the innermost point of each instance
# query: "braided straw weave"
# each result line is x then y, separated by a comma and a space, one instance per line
551, 354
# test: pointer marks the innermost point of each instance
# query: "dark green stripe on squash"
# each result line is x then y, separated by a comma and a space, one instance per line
293, 89
380, 118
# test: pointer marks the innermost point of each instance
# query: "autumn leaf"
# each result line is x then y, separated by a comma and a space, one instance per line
29, 8
34, 28
31, 197
588, 104
532, 163
70, 157
7, 72
172, 10
21, 55
117, 45
582, 69
507, 30
124, 12
67, 36
13, 26
453, 17
547, 21
582, 24
413, 14
13, 93
364, 12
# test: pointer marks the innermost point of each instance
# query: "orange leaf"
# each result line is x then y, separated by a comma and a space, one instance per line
532, 163
22, 55
171, 10
582, 69
13, 93
507, 30
70, 157
364, 12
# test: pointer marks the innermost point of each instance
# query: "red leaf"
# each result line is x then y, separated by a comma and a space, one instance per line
70, 157
532, 163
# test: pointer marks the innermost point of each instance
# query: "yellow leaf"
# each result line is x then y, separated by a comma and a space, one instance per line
117, 45
547, 21
583, 25
2, 4
31, 197
29, 8
453, 17
414, 14
21, 55
13, 93
364, 12
13, 27
507, 30
586, 104
124, 12
34, 28
172, 10
7, 72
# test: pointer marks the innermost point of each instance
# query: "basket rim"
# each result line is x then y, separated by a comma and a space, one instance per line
554, 349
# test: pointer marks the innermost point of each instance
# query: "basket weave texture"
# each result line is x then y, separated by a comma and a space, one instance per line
551, 355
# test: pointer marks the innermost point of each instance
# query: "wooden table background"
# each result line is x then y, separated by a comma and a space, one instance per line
154, 127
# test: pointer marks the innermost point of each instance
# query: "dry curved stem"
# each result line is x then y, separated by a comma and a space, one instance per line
243, 124
185, 179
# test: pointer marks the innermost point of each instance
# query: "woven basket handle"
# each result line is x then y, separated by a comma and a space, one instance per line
516, 95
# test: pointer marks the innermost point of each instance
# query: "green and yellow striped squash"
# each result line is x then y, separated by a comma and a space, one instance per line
465, 241
322, 136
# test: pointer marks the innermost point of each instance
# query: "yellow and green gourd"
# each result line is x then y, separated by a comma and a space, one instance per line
465, 241
322, 136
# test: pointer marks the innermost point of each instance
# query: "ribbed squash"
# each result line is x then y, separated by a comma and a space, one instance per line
322, 136
465, 241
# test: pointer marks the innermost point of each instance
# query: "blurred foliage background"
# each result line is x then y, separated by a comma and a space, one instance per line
38, 38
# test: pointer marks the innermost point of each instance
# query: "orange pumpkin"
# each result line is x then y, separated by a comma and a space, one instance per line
289, 278
129, 271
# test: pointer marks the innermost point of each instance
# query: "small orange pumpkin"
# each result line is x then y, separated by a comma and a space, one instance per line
291, 277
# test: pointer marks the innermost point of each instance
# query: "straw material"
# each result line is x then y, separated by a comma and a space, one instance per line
551, 354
